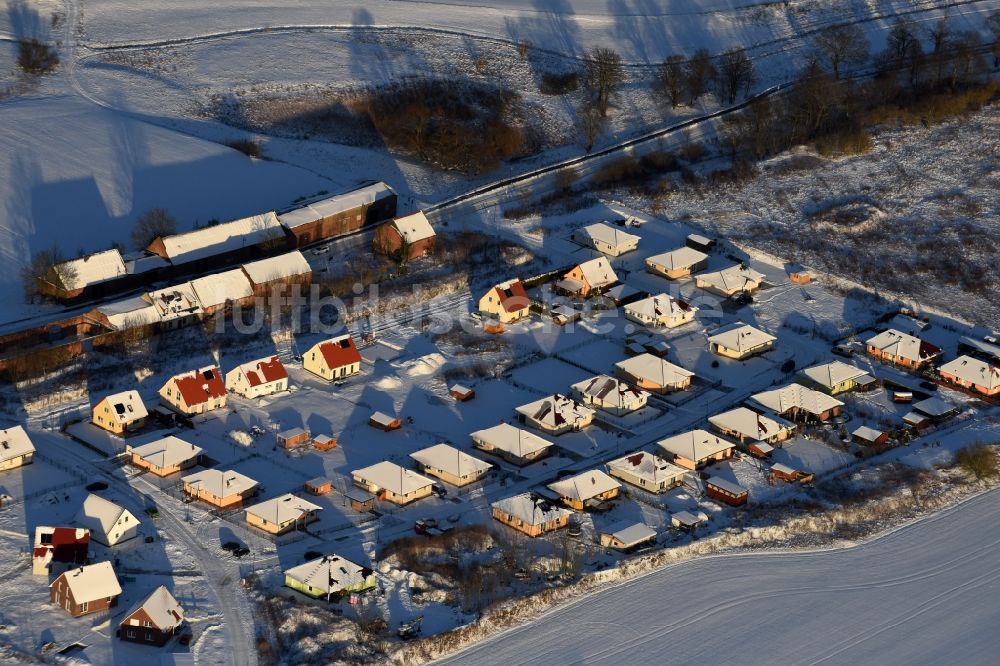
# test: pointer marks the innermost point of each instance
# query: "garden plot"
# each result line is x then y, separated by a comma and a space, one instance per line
548, 376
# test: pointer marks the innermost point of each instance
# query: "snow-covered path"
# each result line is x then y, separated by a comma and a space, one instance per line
925, 593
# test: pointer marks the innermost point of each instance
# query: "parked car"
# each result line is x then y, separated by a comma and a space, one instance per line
439, 490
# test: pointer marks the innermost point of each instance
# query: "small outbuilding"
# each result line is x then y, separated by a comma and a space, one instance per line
384, 422
293, 437
870, 438
319, 486
324, 442
627, 537
726, 491
461, 393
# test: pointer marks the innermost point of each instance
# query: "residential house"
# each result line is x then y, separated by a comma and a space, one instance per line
220, 292
610, 395
330, 576
195, 392
450, 464
120, 412
902, 349
393, 483
726, 491
154, 620
165, 456
836, 377
590, 277
746, 426
332, 359
411, 232
59, 548
514, 445
647, 471
973, 374
340, 214
652, 373
740, 341
738, 278
586, 490
556, 414
606, 239
677, 263
109, 524
220, 488
696, 449
530, 514
506, 302
255, 379
87, 589
661, 310
282, 514
16, 448
622, 294
627, 537
798, 403
936, 408
278, 275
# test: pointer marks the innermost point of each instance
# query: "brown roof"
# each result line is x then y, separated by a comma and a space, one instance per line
512, 296
340, 352
267, 372
200, 386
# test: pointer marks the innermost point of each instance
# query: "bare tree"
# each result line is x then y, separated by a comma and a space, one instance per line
903, 52
993, 25
940, 37
670, 81
46, 266
152, 224
842, 45
699, 71
604, 75
736, 75
966, 59
591, 123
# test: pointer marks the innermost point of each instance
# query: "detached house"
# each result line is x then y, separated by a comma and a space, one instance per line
258, 378
677, 263
556, 414
696, 449
647, 471
154, 620
87, 589
747, 426
330, 576
973, 374
165, 456
195, 392
610, 395
506, 302
653, 373
798, 403
220, 488
586, 490
109, 524
730, 281
16, 448
530, 514
58, 548
606, 239
451, 465
335, 358
282, 514
892, 346
590, 277
661, 310
514, 445
120, 413
412, 233
740, 341
392, 483
836, 377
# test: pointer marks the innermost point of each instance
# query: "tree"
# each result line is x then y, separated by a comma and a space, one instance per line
45, 265
993, 25
736, 74
842, 45
940, 37
903, 52
591, 123
966, 60
152, 224
604, 74
810, 104
698, 72
670, 81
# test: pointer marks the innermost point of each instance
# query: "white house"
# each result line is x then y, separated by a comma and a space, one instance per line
610, 395
586, 490
606, 239
108, 523
556, 414
16, 448
901, 348
747, 426
730, 281
740, 341
450, 464
677, 263
511, 443
258, 378
647, 471
696, 449
660, 310
652, 373
393, 483
332, 359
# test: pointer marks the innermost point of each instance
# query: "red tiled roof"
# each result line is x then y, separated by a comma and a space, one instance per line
267, 372
200, 386
514, 298
927, 350
340, 352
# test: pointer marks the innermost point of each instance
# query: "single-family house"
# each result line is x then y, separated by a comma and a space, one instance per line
586, 490
332, 359
506, 302
893, 346
513, 444
330, 576
109, 524
282, 514
255, 379
556, 414
870, 437
677, 263
195, 392
738, 278
661, 310
610, 394
654, 374
606, 239
450, 464
410, 234
740, 341
165, 456
120, 412
836, 377
936, 408
798, 403
647, 471
59, 548
726, 491
154, 620
393, 483
746, 426
530, 514
590, 277
696, 449
87, 589
16, 448
220, 488
973, 374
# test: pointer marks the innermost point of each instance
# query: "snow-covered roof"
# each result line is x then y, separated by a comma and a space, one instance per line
654, 369
832, 374
339, 203
647, 466
973, 370
726, 485
695, 445
392, 477
174, 302
219, 288
167, 452
126, 406
330, 573
382, 418
734, 278
281, 267
142, 261
631, 534
914, 417
220, 238
660, 306
610, 391
781, 468
934, 406
14, 443
221, 483
598, 272
981, 345
414, 227
515, 441
607, 234
688, 519
556, 411
164, 611
451, 460
100, 515
92, 582
741, 337
531, 509
796, 396
130, 313
682, 257
868, 434
903, 345
262, 371
748, 423
91, 269
584, 486
282, 509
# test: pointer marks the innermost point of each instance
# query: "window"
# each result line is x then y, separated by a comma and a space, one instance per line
83, 606
130, 633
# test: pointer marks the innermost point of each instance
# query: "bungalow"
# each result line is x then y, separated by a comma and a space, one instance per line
514, 445
973, 374
335, 358
798, 403
384, 422
696, 449
220, 488
177, 306
289, 439
592, 276
59, 548
340, 213
530, 514
392, 483
165, 456
219, 292
16, 448
738, 278
746, 426
687, 521
606, 239
892, 346
726, 491
154, 620
506, 302
254, 379
627, 537
740, 341
677, 263
586, 490
109, 524
195, 392
870, 437
120, 412
651, 373
282, 514
647, 471
451, 465
556, 414
86, 589
661, 310
461, 392
276, 275
610, 395
330, 576
836, 377
412, 233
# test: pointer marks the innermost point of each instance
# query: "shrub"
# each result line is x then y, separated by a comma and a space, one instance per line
248, 147
659, 161
36, 57
978, 460
693, 152
559, 84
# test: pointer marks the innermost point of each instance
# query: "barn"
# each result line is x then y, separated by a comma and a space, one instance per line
340, 214
412, 232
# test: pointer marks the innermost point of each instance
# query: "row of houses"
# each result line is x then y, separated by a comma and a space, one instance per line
911, 352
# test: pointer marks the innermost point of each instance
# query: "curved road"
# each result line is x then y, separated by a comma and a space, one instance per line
925, 593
